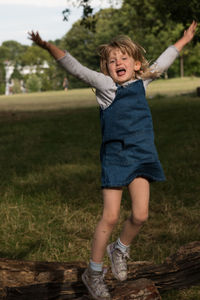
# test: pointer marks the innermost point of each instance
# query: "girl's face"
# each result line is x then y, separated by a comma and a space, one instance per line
121, 66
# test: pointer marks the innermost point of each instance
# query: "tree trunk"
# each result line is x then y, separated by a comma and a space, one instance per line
181, 66
26, 280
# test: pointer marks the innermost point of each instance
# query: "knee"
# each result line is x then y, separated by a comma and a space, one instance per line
139, 219
110, 219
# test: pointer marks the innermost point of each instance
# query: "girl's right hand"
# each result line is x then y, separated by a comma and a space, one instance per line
51, 48
35, 37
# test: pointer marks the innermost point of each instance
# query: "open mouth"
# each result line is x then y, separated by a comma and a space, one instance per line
121, 72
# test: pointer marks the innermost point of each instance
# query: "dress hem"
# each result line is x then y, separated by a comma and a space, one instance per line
150, 178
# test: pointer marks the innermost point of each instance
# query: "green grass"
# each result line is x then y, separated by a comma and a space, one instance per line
48, 100
50, 196
85, 97
173, 86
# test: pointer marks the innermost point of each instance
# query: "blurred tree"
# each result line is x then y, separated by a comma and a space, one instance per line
16, 87
88, 18
179, 11
34, 55
2, 78
142, 20
16, 73
183, 11
52, 78
12, 51
154, 24
33, 83
192, 62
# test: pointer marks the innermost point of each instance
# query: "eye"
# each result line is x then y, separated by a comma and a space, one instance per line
111, 61
124, 58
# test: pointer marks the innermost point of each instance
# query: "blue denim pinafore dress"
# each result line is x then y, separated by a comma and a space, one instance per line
128, 150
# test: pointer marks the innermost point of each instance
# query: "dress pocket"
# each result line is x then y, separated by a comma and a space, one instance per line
113, 152
141, 147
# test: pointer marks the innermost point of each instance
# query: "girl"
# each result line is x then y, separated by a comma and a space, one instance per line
128, 154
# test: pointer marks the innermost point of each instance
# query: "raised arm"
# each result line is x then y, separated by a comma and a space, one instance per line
104, 84
187, 37
71, 65
166, 59
51, 48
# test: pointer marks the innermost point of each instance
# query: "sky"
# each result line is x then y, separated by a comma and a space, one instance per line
17, 17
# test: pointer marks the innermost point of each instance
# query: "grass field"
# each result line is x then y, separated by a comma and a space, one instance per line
85, 97
50, 196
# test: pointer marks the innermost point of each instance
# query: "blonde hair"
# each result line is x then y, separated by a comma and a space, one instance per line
126, 45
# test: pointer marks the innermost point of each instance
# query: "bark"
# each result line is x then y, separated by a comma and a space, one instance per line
52, 280
141, 289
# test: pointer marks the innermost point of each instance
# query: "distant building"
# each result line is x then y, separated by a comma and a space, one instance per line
9, 68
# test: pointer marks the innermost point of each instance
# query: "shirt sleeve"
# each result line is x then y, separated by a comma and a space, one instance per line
163, 62
94, 79
104, 85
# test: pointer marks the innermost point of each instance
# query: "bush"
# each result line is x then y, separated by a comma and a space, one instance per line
33, 83
2, 88
16, 88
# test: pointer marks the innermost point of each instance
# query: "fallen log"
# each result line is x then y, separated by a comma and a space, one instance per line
52, 280
178, 271
141, 289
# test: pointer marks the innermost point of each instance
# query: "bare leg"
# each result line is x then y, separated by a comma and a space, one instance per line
111, 210
139, 192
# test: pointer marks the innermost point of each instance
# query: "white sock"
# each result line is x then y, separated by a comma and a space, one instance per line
119, 245
96, 266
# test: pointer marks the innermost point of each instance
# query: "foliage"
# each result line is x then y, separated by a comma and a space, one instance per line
139, 20
2, 88
16, 87
12, 51
33, 83
180, 11
51, 77
2, 78
80, 42
152, 23
193, 61
35, 56
16, 73
88, 18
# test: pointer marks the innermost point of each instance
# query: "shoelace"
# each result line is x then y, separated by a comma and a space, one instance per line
99, 281
122, 254
126, 255
121, 259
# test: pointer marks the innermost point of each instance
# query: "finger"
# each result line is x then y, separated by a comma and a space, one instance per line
30, 35
193, 25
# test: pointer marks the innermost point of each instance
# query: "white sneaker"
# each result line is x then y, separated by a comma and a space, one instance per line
94, 281
118, 261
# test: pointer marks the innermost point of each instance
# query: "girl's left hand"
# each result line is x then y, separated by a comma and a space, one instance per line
189, 33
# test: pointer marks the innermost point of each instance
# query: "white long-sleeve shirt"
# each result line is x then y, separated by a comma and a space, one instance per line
104, 84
